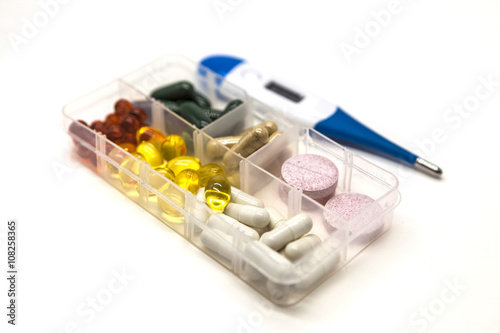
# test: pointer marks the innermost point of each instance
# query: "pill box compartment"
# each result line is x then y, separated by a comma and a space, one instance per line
258, 175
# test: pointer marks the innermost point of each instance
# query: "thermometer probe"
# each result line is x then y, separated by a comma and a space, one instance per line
311, 111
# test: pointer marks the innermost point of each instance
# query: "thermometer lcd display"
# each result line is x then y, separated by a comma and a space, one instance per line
285, 92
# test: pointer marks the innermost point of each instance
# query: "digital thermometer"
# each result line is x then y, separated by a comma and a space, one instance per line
309, 110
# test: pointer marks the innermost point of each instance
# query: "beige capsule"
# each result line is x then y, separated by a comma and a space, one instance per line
248, 144
273, 136
215, 147
269, 125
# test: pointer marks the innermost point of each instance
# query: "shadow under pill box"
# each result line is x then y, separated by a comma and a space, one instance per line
280, 205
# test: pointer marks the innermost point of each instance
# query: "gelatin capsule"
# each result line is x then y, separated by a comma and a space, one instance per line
219, 242
150, 134
194, 114
249, 215
97, 126
156, 178
128, 147
139, 113
122, 106
201, 100
114, 132
298, 248
189, 180
130, 123
151, 154
208, 171
175, 91
269, 260
232, 105
290, 230
248, 144
172, 106
230, 226
218, 192
275, 218
273, 136
132, 165
215, 147
183, 162
240, 197
269, 125
177, 197
173, 146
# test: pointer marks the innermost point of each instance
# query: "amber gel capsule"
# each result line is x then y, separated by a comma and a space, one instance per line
150, 134
218, 192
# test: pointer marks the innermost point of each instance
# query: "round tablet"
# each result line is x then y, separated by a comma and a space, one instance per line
315, 175
348, 206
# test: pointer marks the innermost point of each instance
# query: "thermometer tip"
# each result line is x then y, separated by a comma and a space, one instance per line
428, 167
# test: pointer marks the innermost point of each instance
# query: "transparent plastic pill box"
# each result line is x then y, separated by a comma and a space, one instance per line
283, 283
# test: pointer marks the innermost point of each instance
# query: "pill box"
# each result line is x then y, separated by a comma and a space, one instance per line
282, 282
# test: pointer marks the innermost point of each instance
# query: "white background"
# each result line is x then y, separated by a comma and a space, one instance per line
75, 231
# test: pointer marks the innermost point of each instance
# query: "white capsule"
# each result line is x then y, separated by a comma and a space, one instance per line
249, 215
201, 215
220, 246
240, 197
200, 195
293, 229
319, 272
301, 246
230, 226
270, 262
275, 218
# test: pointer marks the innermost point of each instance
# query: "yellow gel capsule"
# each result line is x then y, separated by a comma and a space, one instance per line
158, 181
132, 165
177, 197
150, 134
150, 153
173, 146
189, 180
208, 171
182, 163
218, 192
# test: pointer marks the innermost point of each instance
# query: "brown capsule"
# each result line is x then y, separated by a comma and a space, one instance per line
248, 144
139, 113
122, 106
215, 147
114, 133
111, 119
130, 123
97, 126
129, 138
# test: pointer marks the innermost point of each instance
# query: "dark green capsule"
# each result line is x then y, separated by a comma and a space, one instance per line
193, 113
173, 106
174, 91
213, 113
201, 100
232, 105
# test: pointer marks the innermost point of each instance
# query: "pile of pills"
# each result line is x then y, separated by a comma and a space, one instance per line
244, 143
317, 177
237, 211
181, 98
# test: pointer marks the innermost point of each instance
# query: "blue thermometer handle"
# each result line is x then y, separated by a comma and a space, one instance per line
311, 111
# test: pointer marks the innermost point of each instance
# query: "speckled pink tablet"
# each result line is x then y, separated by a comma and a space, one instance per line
315, 175
351, 207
